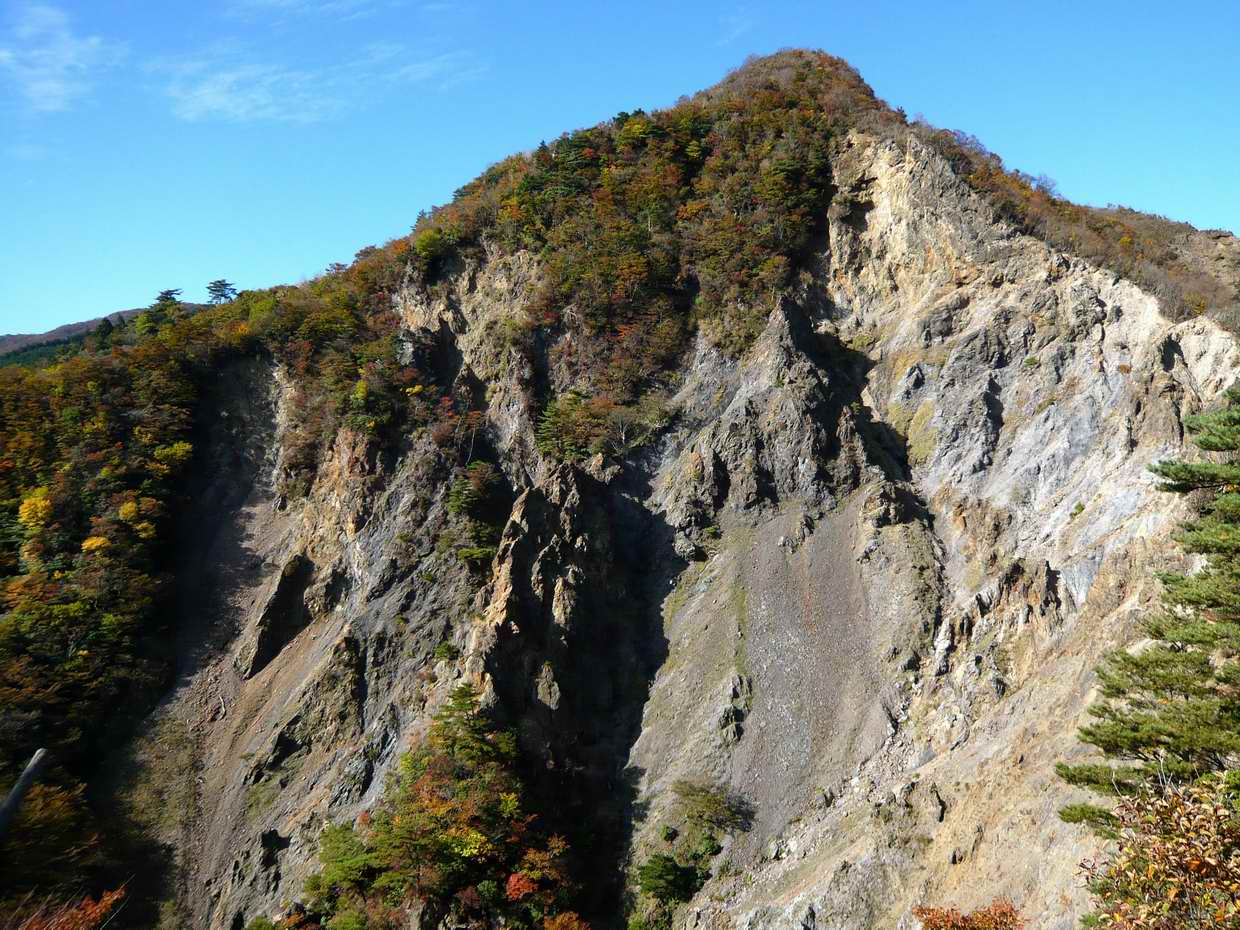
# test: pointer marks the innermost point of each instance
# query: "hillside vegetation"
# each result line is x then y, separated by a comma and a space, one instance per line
650, 229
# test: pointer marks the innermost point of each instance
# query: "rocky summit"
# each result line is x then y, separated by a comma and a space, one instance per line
819, 547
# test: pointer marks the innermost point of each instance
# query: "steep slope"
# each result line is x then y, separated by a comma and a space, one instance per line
861, 578
920, 655
851, 547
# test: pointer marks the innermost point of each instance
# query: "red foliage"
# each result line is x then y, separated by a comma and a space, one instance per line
1000, 914
87, 914
519, 885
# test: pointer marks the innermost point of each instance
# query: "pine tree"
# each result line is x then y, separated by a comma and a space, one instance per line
103, 333
220, 291
1172, 711
463, 732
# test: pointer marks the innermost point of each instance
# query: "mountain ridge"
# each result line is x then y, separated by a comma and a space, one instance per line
14, 342
767, 442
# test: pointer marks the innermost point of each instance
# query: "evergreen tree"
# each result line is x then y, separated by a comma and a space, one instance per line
463, 732
1172, 710
149, 320
103, 333
166, 307
220, 291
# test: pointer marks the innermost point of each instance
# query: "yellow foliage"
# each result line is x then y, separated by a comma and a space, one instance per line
96, 424
128, 511
468, 844
509, 804
176, 454
95, 543
35, 509
1175, 861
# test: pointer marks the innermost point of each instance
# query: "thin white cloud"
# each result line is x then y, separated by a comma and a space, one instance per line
50, 65
221, 84
243, 93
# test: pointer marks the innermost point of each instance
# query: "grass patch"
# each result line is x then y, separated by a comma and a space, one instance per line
260, 796
922, 436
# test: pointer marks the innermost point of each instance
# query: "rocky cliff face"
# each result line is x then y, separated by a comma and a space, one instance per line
861, 578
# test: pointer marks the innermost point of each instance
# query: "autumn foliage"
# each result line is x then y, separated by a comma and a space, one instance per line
1175, 864
998, 915
454, 831
95, 451
648, 229
87, 914
1144, 248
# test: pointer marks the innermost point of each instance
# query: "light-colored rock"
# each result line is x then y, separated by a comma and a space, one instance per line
861, 579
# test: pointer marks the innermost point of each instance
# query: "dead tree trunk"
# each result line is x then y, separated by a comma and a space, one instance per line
9, 809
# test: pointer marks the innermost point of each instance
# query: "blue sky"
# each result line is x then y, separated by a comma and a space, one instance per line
147, 144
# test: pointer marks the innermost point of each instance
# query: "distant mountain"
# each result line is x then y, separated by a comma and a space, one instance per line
19, 341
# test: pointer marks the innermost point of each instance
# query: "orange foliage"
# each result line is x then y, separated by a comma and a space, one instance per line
567, 920
519, 885
87, 914
998, 915
1175, 863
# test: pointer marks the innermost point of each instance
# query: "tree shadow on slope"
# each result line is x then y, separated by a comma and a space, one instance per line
149, 785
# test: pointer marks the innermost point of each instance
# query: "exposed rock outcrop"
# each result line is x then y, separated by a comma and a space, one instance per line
861, 578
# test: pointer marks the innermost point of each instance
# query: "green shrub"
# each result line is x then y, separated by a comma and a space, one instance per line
477, 494
472, 491
667, 881
712, 806
348, 867
476, 556
707, 848
348, 920
571, 428
430, 244
447, 651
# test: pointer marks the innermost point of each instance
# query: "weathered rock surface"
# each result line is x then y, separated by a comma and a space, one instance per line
861, 578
